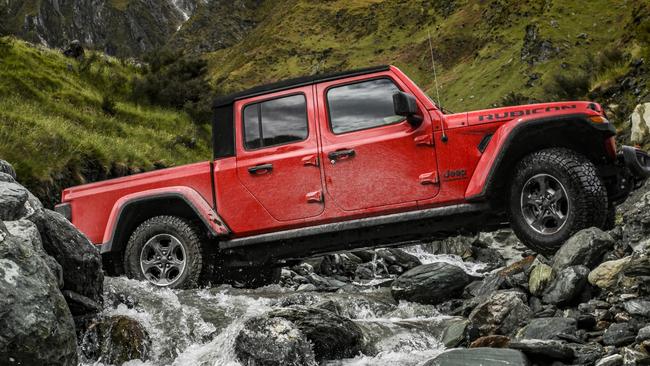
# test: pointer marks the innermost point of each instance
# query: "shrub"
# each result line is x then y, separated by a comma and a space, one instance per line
108, 105
514, 98
567, 87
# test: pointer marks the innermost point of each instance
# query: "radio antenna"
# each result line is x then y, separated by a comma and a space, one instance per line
435, 80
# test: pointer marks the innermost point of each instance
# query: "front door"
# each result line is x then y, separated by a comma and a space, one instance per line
277, 157
371, 157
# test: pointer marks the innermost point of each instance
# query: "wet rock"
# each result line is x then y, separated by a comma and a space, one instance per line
541, 275
613, 360
486, 286
547, 328
501, 313
80, 260
634, 357
492, 341
480, 357
520, 266
455, 332
74, 50
567, 286
116, 339
619, 334
585, 248
607, 274
6, 168
398, 257
431, 283
643, 335
457, 245
12, 201
489, 256
273, 341
545, 349
37, 327
640, 119
638, 307
332, 336
586, 354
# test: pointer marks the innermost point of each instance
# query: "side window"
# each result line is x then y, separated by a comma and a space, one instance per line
362, 105
275, 122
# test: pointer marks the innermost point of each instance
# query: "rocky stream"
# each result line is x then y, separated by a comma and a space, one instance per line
468, 300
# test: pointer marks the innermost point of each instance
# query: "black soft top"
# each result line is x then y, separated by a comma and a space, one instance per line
223, 127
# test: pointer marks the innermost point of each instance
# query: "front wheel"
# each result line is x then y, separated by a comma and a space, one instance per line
166, 251
555, 193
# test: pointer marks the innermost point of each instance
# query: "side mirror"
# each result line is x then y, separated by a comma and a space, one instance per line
405, 105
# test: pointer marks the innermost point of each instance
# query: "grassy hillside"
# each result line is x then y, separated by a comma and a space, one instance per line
485, 49
66, 122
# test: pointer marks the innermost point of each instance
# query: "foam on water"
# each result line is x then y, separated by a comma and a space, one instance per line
472, 268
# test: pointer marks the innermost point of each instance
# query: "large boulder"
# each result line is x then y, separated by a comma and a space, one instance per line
37, 327
547, 328
640, 119
479, 357
585, 248
431, 283
80, 260
567, 286
332, 336
116, 339
273, 342
13, 197
608, 274
501, 313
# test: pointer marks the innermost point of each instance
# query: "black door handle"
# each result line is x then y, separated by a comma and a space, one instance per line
264, 168
340, 154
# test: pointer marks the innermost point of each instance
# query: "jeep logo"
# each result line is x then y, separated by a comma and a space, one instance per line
455, 174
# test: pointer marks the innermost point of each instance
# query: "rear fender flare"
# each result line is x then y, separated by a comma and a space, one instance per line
512, 141
202, 209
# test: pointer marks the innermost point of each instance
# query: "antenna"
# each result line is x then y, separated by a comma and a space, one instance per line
435, 79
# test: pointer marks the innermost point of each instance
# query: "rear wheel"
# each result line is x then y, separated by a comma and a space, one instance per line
555, 193
166, 251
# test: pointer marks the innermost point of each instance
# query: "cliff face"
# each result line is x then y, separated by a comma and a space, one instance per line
117, 27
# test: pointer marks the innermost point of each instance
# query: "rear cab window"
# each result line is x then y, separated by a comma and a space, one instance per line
275, 122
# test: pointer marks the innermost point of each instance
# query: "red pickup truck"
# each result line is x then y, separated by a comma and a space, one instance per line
364, 158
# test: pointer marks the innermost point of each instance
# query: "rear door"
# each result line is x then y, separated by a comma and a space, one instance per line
277, 157
371, 157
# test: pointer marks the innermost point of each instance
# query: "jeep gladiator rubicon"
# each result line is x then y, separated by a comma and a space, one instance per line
358, 159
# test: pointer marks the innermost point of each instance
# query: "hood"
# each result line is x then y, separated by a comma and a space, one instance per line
506, 114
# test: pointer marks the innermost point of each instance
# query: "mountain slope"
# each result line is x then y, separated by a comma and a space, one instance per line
117, 27
64, 122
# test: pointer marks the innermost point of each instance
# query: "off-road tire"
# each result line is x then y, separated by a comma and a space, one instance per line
184, 231
586, 194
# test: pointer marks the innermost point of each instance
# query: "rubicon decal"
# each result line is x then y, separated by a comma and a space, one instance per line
523, 112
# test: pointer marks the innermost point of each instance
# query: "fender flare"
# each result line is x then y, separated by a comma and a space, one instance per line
504, 138
210, 218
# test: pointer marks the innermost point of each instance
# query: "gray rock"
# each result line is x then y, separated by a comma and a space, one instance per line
37, 327
332, 336
273, 342
12, 201
116, 339
638, 307
643, 335
547, 328
430, 283
548, 349
586, 354
634, 357
608, 274
6, 168
640, 119
585, 248
6, 178
80, 260
541, 275
398, 257
479, 357
619, 334
613, 360
501, 313
567, 286
455, 332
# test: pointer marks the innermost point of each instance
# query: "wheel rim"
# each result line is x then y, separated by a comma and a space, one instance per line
544, 204
162, 260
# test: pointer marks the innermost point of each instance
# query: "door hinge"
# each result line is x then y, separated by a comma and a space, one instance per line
314, 197
310, 160
429, 178
424, 140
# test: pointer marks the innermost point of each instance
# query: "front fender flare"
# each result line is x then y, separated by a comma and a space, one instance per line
210, 218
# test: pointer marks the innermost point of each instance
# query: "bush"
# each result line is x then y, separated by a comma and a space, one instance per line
567, 87
514, 98
108, 105
177, 81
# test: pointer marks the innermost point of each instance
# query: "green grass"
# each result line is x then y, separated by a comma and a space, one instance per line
54, 131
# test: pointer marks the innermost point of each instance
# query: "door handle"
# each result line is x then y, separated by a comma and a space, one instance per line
341, 154
261, 169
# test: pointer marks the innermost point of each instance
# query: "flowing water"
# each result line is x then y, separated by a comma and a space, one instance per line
199, 327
